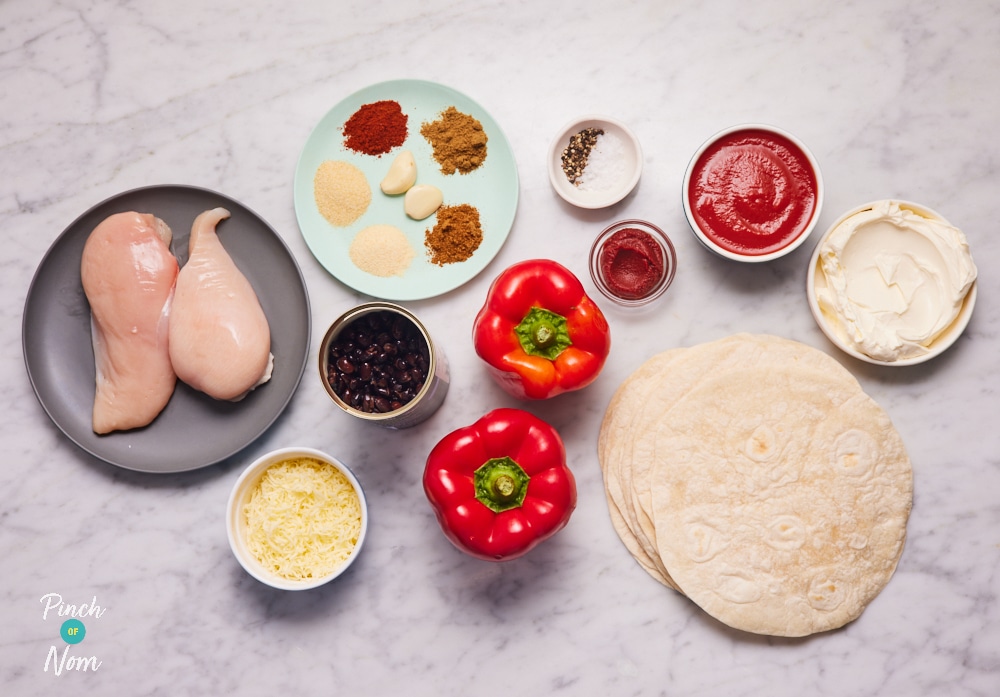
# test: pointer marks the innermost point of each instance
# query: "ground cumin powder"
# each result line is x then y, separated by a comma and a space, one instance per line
456, 235
458, 140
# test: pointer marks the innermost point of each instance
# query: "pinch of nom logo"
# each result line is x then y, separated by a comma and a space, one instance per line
72, 631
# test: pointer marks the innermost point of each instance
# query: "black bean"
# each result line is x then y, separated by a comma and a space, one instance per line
345, 366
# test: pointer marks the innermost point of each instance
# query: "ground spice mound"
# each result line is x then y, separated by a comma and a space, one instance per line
341, 191
381, 250
458, 139
456, 235
376, 128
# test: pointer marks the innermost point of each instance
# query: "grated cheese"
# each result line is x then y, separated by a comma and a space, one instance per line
303, 519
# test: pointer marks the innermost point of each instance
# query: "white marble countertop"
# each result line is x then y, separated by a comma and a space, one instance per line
895, 99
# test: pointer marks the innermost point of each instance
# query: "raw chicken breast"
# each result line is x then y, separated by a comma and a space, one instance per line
128, 276
220, 342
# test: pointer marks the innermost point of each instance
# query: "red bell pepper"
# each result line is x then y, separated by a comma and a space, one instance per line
501, 485
539, 332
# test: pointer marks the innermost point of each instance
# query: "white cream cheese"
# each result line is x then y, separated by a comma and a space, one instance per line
895, 280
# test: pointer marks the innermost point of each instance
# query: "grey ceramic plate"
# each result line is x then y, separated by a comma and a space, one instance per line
193, 430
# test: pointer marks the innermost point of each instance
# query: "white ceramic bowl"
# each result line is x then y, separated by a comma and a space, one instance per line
816, 281
236, 521
707, 240
631, 163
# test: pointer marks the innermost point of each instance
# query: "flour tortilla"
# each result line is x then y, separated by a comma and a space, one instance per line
759, 477
615, 429
686, 369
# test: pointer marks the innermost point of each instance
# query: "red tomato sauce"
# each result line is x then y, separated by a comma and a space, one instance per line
753, 192
631, 263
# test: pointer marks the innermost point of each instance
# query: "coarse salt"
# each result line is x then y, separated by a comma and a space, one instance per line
605, 166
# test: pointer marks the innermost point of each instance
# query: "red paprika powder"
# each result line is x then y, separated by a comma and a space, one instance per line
376, 128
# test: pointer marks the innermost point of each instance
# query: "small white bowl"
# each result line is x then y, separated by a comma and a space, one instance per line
707, 239
816, 281
631, 163
236, 521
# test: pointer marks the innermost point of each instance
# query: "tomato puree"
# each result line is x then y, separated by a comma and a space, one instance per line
631, 263
753, 192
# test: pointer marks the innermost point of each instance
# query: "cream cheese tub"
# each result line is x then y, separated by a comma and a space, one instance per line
892, 282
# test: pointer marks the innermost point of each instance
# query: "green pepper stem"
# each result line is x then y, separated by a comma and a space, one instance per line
504, 488
543, 333
500, 484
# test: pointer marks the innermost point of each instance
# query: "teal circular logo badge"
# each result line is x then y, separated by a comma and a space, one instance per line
72, 631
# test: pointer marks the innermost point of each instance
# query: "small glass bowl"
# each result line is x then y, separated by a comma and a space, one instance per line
662, 243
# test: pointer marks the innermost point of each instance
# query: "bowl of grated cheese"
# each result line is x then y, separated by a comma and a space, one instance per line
296, 518
594, 161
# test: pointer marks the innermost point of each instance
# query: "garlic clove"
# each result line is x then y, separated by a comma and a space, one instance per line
422, 200
402, 174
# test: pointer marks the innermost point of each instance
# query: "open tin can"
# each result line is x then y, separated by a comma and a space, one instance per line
368, 360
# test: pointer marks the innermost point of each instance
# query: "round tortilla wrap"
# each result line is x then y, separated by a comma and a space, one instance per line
759, 477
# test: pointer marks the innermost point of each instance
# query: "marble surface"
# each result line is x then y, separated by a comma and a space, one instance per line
895, 98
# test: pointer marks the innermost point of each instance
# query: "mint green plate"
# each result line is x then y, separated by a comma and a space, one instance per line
492, 189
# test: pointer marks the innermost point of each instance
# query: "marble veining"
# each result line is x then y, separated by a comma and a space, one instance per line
894, 98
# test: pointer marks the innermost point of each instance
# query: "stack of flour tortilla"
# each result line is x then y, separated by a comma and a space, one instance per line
753, 475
